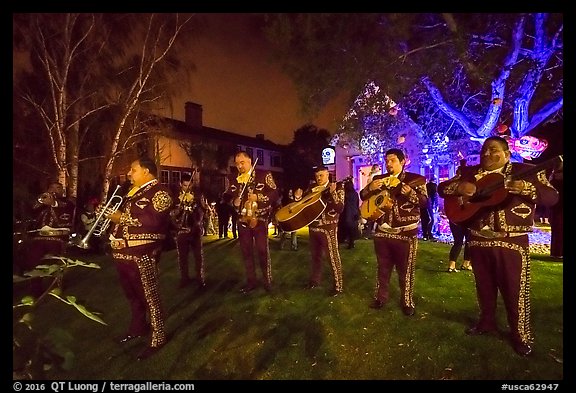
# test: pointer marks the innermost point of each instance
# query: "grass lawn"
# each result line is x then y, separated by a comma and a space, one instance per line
298, 334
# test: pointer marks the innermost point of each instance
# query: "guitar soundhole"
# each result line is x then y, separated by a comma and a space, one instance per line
379, 199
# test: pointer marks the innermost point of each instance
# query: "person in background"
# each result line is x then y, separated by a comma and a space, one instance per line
88, 218
223, 211
140, 228
459, 236
53, 222
498, 241
557, 216
459, 239
368, 228
188, 221
348, 222
288, 199
323, 231
428, 215
395, 240
254, 194
209, 214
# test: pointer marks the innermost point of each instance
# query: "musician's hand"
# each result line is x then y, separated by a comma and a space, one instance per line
114, 217
405, 189
376, 184
252, 197
332, 187
466, 188
236, 202
514, 186
298, 193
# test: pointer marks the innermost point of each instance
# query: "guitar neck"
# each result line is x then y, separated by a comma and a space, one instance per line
552, 163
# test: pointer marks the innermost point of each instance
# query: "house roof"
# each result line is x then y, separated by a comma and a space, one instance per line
180, 130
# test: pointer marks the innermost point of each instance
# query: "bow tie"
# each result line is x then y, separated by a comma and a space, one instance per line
243, 178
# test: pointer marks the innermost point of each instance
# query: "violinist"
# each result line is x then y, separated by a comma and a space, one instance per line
324, 229
188, 221
395, 237
254, 194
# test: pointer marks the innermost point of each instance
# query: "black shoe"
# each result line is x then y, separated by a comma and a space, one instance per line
311, 285
145, 354
336, 293
350, 246
377, 304
522, 349
248, 289
476, 331
128, 337
201, 286
408, 310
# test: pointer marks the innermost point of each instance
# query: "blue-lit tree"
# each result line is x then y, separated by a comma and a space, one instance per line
456, 75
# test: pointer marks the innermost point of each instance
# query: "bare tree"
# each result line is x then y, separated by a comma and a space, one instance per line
94, 76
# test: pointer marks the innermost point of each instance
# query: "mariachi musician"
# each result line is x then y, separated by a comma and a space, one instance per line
188, 221
498, 224
395, 237
142, 222
324, 229
254, 194
54, 217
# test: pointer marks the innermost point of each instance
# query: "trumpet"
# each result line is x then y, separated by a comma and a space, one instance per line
102, 223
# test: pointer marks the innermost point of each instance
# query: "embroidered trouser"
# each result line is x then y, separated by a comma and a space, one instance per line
186, 241
138, 273
503, 264
255, 239
396, 250
324, 241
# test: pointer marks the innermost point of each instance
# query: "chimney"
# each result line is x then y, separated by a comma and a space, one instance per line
193, 113
260, 136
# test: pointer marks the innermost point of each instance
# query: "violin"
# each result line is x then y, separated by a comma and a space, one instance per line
248, 214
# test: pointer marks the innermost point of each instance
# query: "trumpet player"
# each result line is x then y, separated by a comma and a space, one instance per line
54, 216
188, 220
140, 226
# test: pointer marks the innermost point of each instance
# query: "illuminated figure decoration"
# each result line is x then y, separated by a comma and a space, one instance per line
328, 155
529, 147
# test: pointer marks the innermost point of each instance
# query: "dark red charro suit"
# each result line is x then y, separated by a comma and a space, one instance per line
324, 237
499, 247
395, 238
143, 227
256, 239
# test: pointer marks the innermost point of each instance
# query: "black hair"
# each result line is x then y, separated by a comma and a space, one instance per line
501, 141
397, 152
148, 163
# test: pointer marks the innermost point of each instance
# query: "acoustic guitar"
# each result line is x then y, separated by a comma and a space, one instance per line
382, 199
490, 191
301, 213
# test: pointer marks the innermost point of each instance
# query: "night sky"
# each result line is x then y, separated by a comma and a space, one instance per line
239, 87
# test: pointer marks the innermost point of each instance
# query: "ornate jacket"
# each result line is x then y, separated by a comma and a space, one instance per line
405, 209
145, 216
60, 216
334, 206
516, 213
263, 185
188, 215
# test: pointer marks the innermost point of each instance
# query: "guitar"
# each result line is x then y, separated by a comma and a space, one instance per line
382, 199
490, 191
301, 213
